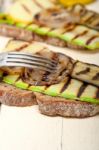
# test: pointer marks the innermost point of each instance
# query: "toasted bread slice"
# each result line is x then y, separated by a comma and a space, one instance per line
12, 96
54, 106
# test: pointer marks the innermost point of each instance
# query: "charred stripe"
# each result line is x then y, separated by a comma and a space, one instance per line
91, 39
95, 22
83, 71
74, 66
38, 4
88, 16
65, 85
96, 77
26, 8
70, 28
81, 90
97, 94
22, 47
81, 34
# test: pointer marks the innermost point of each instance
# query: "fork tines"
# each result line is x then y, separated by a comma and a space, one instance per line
31, 61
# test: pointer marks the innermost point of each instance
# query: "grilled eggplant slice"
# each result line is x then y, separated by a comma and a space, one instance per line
63, 68
86, 72
86, 17
55, 18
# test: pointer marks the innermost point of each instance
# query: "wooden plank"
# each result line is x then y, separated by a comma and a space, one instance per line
80, 134
26, 129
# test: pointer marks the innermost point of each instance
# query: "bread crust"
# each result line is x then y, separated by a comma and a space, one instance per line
13, 96
54, 106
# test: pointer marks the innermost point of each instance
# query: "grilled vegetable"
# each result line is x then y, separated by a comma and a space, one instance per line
82, 36
86, 17
78, 36
86, 72
70, 89
55, 18
63, 68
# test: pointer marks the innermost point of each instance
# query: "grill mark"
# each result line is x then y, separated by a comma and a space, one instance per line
89, 26
62, 72
81, 89
74, 65
81, 34
20, 48
97, 94
90, 39
74, 8
83, 71
65, 85
95, 22
38, 4
96, 77
69, 24
26, 8
70, 28
67, 28
66, 69
8, 43
93, 18
17, 79
89, 18
37, 16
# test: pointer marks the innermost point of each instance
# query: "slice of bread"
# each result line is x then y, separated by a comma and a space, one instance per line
12, 96
54, 106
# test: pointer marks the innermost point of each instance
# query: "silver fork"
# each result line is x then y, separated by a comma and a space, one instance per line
19, 59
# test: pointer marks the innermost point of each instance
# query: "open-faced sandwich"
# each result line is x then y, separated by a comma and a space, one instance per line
75, 27
71, 90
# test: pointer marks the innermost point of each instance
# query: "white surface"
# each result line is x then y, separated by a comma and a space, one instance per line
27, 129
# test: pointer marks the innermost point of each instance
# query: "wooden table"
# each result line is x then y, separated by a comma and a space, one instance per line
27, 129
